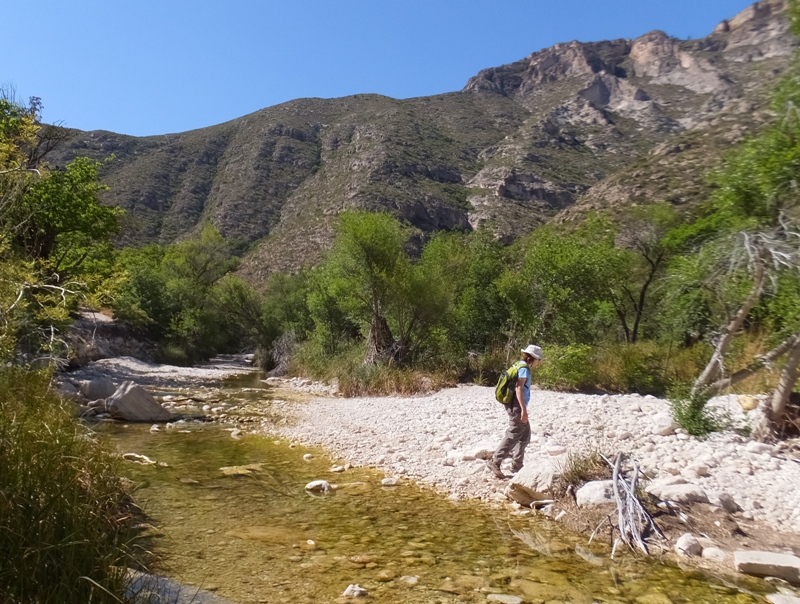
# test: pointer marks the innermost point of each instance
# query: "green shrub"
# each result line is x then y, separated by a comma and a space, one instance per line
567, 368
691, 412
64, 521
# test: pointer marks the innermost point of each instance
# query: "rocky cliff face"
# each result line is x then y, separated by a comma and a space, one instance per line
570, 128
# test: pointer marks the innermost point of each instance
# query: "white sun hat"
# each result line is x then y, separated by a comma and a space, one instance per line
534, 351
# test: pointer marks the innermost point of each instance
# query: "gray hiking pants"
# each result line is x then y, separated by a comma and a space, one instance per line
517, 437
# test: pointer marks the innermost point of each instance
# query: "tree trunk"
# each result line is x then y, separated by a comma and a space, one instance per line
773, 412
714, 367
380, 340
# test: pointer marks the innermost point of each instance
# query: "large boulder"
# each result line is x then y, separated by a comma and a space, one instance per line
133, 403
768, 564
97, 388
533, 482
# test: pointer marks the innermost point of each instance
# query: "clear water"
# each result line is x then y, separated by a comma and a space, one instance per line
260, 537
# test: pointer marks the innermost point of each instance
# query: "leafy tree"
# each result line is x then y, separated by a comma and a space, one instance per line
750, 240
565, 282
642, 234
364, 271
479, 316
60, 221
173, 294
369, 280
51, 227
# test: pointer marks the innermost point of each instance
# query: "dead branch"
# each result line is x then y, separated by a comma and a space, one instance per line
633, 520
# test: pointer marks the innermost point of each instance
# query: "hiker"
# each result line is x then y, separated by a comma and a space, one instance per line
518, 434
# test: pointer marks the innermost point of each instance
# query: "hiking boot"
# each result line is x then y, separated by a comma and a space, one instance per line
495, 468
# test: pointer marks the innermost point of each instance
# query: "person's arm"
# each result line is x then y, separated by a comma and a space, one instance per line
523, 416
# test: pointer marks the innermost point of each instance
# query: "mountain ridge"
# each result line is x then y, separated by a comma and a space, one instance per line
572, 128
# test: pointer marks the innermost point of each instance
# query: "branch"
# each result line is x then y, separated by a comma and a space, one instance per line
760, 361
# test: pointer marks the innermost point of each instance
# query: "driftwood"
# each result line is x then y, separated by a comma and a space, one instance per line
633, 521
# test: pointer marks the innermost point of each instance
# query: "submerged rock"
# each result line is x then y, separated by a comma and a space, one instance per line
355, 591
320, 486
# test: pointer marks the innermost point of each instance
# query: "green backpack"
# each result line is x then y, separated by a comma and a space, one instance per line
504, 391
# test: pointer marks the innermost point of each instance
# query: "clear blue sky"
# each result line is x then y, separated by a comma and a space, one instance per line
156, 66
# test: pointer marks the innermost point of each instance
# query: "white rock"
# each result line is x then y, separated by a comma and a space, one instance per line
555, 450
679, 493
354, 591
783, 599
664, 424
389, 481
723, 500
768, 564
483, 450
410, 579
504, 598
337, 469
714, 553
756, 447
322, 486
533, 482
688, 545
97, 388
308, 457
597, 492
134, 404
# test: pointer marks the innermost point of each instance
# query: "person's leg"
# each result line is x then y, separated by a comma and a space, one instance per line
515, 430
518, 452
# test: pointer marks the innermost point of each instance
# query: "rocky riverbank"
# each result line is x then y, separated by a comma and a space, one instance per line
726, 491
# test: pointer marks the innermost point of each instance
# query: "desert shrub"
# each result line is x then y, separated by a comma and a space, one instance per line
580, 468
64, 527
567, 368
641, 367
692, 413
357, 378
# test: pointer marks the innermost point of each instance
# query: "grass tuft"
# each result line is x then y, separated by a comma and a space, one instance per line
65, 521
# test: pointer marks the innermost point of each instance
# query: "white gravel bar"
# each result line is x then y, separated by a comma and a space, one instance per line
438, 440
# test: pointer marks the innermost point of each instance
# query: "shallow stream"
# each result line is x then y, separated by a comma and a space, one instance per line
253, 534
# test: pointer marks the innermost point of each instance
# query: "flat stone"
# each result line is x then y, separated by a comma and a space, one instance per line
768, 564
783, 599
756, 447
679, 493
504, 598
714, 553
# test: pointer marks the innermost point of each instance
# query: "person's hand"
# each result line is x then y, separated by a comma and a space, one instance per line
523, 417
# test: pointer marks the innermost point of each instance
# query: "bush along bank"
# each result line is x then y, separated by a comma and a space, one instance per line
66, 523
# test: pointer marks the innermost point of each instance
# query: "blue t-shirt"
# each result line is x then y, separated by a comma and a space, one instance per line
525, 372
